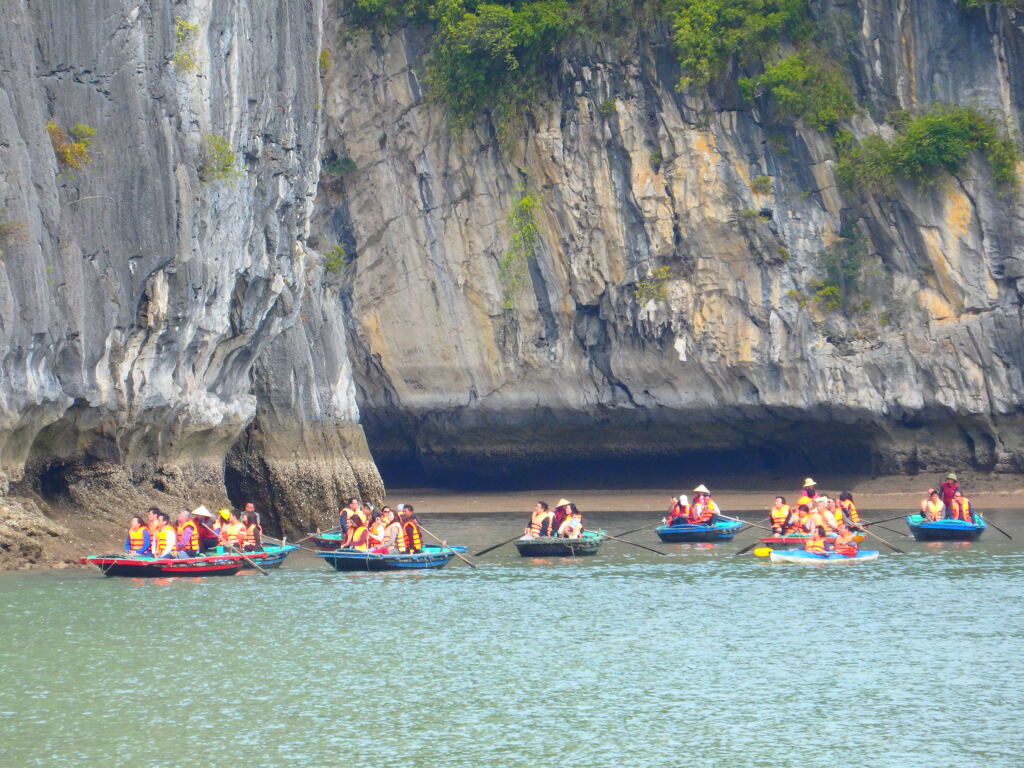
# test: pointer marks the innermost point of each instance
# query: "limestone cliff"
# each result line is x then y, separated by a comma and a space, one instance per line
723, 353
158, 300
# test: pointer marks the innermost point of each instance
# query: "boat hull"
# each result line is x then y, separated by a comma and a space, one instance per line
270, 557
326, 541
794, 542
802, 557
139, 567
945, 530
555, 546
723, 530
431, 558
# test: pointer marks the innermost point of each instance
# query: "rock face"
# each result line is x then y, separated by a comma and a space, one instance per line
730, 356
152, 301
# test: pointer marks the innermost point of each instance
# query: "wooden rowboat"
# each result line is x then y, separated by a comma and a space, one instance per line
327, 541
558, 546
138, 566
795, 541
946, 530
804, 557
722, 530
268, 557
431, 558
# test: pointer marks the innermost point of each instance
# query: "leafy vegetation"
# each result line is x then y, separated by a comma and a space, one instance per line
336, 258
926, 146
512, 266
844, 284
324, 60
336, 167
654, 288
72, 151
606, 108
761, 185
184, 57
218, 161
804, 86
708, 33
11, 232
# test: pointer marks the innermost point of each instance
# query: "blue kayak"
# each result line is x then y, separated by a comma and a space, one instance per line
946, 530
804, 557
722, 530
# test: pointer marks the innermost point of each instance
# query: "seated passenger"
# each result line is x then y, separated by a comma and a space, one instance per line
138, 540
572, 526
358, 536
960, 507
816, 541
376, 528
704, 511
253, 539
165, 538
392, 532
780, 514
932, 508
188, 535
542, 521
848, 511
799, 522
410, 543
561, 512
844, 543
679, 512
232, 532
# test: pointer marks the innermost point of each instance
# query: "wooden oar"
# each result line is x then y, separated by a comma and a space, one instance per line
491, 549
893, 530
246, 557
293, 544
748, 548
890, 546
616, 538
463, 559
641, 528
995, 526
738, 520
884, 520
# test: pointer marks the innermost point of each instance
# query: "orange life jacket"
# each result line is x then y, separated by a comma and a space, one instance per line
377, 533
815, 544
934, 509
359, 537
962, 510
851, 511
409, 540
163, 535
193, 538
779, 516
137, 538
250, 534
540, 525
233, 534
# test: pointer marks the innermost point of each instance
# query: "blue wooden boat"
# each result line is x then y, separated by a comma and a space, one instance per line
432, 557
722, 530
124, 564
269, 557
803, 557
946, 530
558, 546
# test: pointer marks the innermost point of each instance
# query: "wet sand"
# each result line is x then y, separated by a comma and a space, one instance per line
755, 494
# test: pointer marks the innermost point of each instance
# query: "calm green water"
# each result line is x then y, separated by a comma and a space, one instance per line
624, 659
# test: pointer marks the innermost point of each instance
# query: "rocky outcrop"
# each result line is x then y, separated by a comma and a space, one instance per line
146, 297
730, 356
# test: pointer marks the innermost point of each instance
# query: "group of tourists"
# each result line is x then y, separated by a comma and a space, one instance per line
947, 502
703, 511
193, 533
387, 531
565, 521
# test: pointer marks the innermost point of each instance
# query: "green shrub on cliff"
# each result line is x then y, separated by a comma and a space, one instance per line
708, 33
804, 86
512, 266
491, 57
218, 161
936, 142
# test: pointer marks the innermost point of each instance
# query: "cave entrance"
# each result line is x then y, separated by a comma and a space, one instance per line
53, 481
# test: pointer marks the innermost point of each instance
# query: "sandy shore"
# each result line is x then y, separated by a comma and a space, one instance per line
753, 494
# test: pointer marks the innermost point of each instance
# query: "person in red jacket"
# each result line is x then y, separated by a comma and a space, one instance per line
679, 512
949, 487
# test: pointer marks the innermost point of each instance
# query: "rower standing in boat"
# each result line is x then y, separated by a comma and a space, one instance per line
138, 540
542, 521
188, 535
704, 510
808, 495
679, 512
932, 507
207, 535
949, 487
410, 543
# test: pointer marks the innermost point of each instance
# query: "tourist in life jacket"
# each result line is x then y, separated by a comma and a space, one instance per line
949, 487
208, 537
960, 507
232, 532
375, 529
138, 541
807, 494
561, 512
152, 516
165, 538
188, 535
572, 525
253, 540
816, 541
679, 511
410, 541
357, 536
542, 521
703, 511
351, 508
932, 507
223, 516
802, 520
847, 512
845, 543
392, 531
780, 515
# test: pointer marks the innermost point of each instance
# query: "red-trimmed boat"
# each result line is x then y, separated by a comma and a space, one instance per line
138, 566
795, 541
